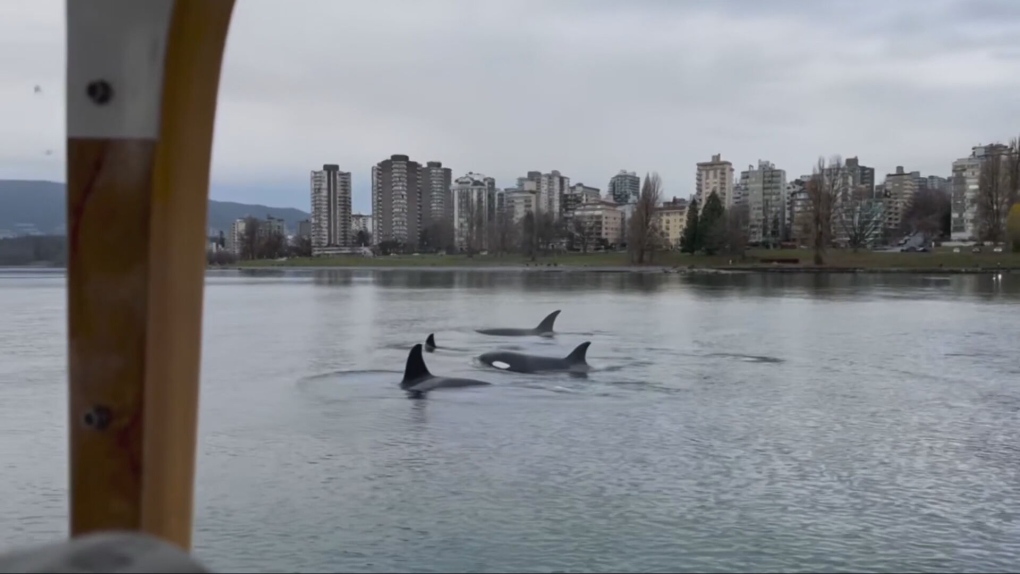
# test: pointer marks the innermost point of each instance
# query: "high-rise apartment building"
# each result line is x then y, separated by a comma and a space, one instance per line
798, 209
861, 176
965, 187
474, 197
435, 199
550, 188
934, 183
624, 187
518, 202
898, 193
396, 196
331, 210
765, 186
715, 176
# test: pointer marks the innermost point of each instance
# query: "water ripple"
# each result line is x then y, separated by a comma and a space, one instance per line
738, 423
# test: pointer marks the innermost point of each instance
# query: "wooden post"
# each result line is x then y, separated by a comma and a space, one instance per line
142, 81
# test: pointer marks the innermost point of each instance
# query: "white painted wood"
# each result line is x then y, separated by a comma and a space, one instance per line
122, 42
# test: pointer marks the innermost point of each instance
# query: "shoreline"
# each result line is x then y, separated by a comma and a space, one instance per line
645, 269
617, 269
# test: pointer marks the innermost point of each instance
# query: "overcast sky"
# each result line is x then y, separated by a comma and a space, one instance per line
588, 87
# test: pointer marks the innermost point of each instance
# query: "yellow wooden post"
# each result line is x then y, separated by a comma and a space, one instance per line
142, 81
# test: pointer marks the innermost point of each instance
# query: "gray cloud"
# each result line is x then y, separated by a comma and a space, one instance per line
584, 86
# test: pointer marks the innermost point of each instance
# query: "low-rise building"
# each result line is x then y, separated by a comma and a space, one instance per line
602, 222
519, 202
239, 230
671, 220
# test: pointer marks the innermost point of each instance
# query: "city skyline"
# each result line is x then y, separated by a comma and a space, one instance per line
645, 86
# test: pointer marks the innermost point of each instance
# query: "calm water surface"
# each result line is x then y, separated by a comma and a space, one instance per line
795, 423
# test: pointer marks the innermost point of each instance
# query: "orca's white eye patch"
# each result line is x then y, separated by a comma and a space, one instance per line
500, 365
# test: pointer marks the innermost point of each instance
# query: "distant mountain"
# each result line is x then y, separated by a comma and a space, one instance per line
41, 204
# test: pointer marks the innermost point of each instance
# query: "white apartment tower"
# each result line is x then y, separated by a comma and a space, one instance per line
549, 187
331, 210
766, 200
517, 203
964, 185
714, 176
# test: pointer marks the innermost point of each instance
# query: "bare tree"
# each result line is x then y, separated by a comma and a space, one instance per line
529, 235
927, 212
251, 239
803, 226
1012, 169
996, 193
475, 232
546, 230
437, 236
301, 246
502, 233
272, 243
642, 236
859, 217
362, 238
822, 191
581, 229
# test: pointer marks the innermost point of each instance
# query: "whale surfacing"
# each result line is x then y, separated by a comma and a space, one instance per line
430, 343
418, 380
575, 362
544, 329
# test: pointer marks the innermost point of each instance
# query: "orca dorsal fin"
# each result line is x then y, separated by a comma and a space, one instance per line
546, 326
431, 340
577, 356
415, 368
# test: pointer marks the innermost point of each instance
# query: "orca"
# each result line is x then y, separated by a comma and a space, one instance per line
430, 343
544, 329
418, 380
521, 363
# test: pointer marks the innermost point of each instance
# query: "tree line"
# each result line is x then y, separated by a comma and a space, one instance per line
534, 235
259, 240
837, 206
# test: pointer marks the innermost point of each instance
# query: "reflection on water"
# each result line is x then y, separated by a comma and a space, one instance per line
984, 286
732, 422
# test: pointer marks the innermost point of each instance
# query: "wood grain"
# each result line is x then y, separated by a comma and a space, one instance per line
108, 274
180, 203
136, 269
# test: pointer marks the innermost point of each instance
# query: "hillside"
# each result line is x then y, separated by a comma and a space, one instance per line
41, 204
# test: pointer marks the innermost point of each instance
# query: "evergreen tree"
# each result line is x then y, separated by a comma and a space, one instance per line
712, 225
689, 240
